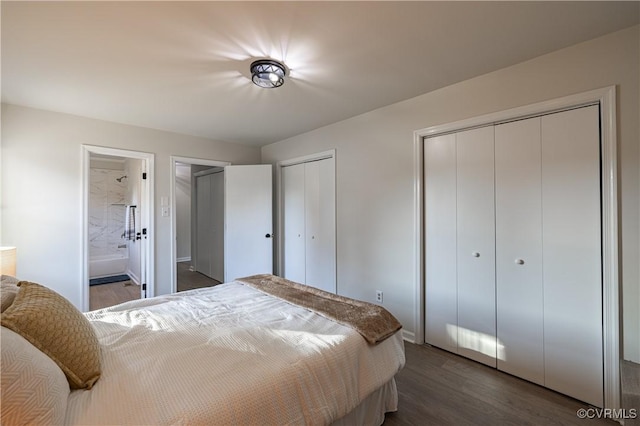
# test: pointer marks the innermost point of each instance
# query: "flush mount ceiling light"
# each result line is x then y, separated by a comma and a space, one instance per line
268, 73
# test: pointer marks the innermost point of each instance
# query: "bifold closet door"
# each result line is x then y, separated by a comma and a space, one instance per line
475, 233
203, 241
519, 249
293, 184
309, 223
320, 225
217, 226
441, 294
572, 254
210, 225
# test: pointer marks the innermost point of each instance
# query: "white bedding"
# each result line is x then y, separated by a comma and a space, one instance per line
228, 355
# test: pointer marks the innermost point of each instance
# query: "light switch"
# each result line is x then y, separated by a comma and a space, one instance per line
164, 201
165, 211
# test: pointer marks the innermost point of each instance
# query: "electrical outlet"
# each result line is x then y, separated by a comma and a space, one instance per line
378, 296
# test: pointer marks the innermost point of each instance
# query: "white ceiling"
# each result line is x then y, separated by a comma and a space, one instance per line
183, 66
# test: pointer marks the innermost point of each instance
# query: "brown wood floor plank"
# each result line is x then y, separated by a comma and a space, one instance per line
439, 388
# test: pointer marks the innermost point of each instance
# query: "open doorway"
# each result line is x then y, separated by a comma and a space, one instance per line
198, 223
116, 226
247, 219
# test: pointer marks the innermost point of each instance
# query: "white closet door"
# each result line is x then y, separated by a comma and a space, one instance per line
203, 209
572, 254
441, 312
294, 223
519, 250
217, 226
320, 255
476, 245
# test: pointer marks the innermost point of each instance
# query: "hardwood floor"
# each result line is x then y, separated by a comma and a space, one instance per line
189, 280
105, 295
439, 388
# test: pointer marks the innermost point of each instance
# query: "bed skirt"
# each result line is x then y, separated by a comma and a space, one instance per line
372, 409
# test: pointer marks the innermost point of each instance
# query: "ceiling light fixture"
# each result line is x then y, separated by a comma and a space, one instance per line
268, 73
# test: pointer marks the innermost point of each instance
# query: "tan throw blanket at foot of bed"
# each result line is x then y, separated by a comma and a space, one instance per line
373, 322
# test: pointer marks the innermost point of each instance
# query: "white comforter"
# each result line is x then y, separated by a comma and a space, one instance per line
228, 355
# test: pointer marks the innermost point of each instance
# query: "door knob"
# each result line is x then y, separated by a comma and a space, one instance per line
268, 236
475, 254
520, 261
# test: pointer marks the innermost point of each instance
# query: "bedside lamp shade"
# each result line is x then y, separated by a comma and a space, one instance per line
8, 261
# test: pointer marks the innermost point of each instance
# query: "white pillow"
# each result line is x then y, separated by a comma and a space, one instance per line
34, 388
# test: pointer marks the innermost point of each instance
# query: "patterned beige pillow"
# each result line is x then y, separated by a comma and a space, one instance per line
52, 324
34, 389
8, 291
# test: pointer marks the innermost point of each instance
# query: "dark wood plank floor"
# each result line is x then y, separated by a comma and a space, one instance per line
189, 280
439, 388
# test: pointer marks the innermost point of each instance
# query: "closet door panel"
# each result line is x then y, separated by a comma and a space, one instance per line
572, 254
476, 245
294, 222
327, 225
519, 295
441, 312
320, 224
217, 226
204, 224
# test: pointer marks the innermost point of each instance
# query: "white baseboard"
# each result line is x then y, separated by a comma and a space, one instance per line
409, 336
134, 277
184, 259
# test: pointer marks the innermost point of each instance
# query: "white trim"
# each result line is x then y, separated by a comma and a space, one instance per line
409, 336
147, 213
606, 97
308, 158
172, 194
280, 200
184, 259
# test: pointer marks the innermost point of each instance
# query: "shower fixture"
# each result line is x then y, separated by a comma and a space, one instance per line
121, 177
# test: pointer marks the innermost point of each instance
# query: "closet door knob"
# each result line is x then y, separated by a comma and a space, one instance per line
520, 261
475, 254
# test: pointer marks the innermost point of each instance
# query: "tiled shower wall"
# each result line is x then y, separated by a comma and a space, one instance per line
106, 212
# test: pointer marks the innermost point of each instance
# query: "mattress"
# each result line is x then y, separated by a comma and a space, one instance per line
229, 354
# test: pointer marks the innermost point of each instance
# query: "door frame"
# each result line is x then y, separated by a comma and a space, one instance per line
146, 215
279, 263
606, 99
172, 195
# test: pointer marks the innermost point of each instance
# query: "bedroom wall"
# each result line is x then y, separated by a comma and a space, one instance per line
42, 188
375, 160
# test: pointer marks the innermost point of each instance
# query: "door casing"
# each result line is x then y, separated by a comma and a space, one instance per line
146, 216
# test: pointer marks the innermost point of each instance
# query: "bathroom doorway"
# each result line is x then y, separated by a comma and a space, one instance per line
117, 227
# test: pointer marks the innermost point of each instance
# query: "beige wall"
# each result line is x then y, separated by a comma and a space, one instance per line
42, 188
374, 166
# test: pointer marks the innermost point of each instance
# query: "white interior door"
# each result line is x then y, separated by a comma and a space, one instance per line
475, 222
144, 225
320, 258
441, 294
203, 214
248, 242
294, 222
572, 254
519, 249
217, 226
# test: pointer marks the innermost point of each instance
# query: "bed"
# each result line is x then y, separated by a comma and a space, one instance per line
237, 353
